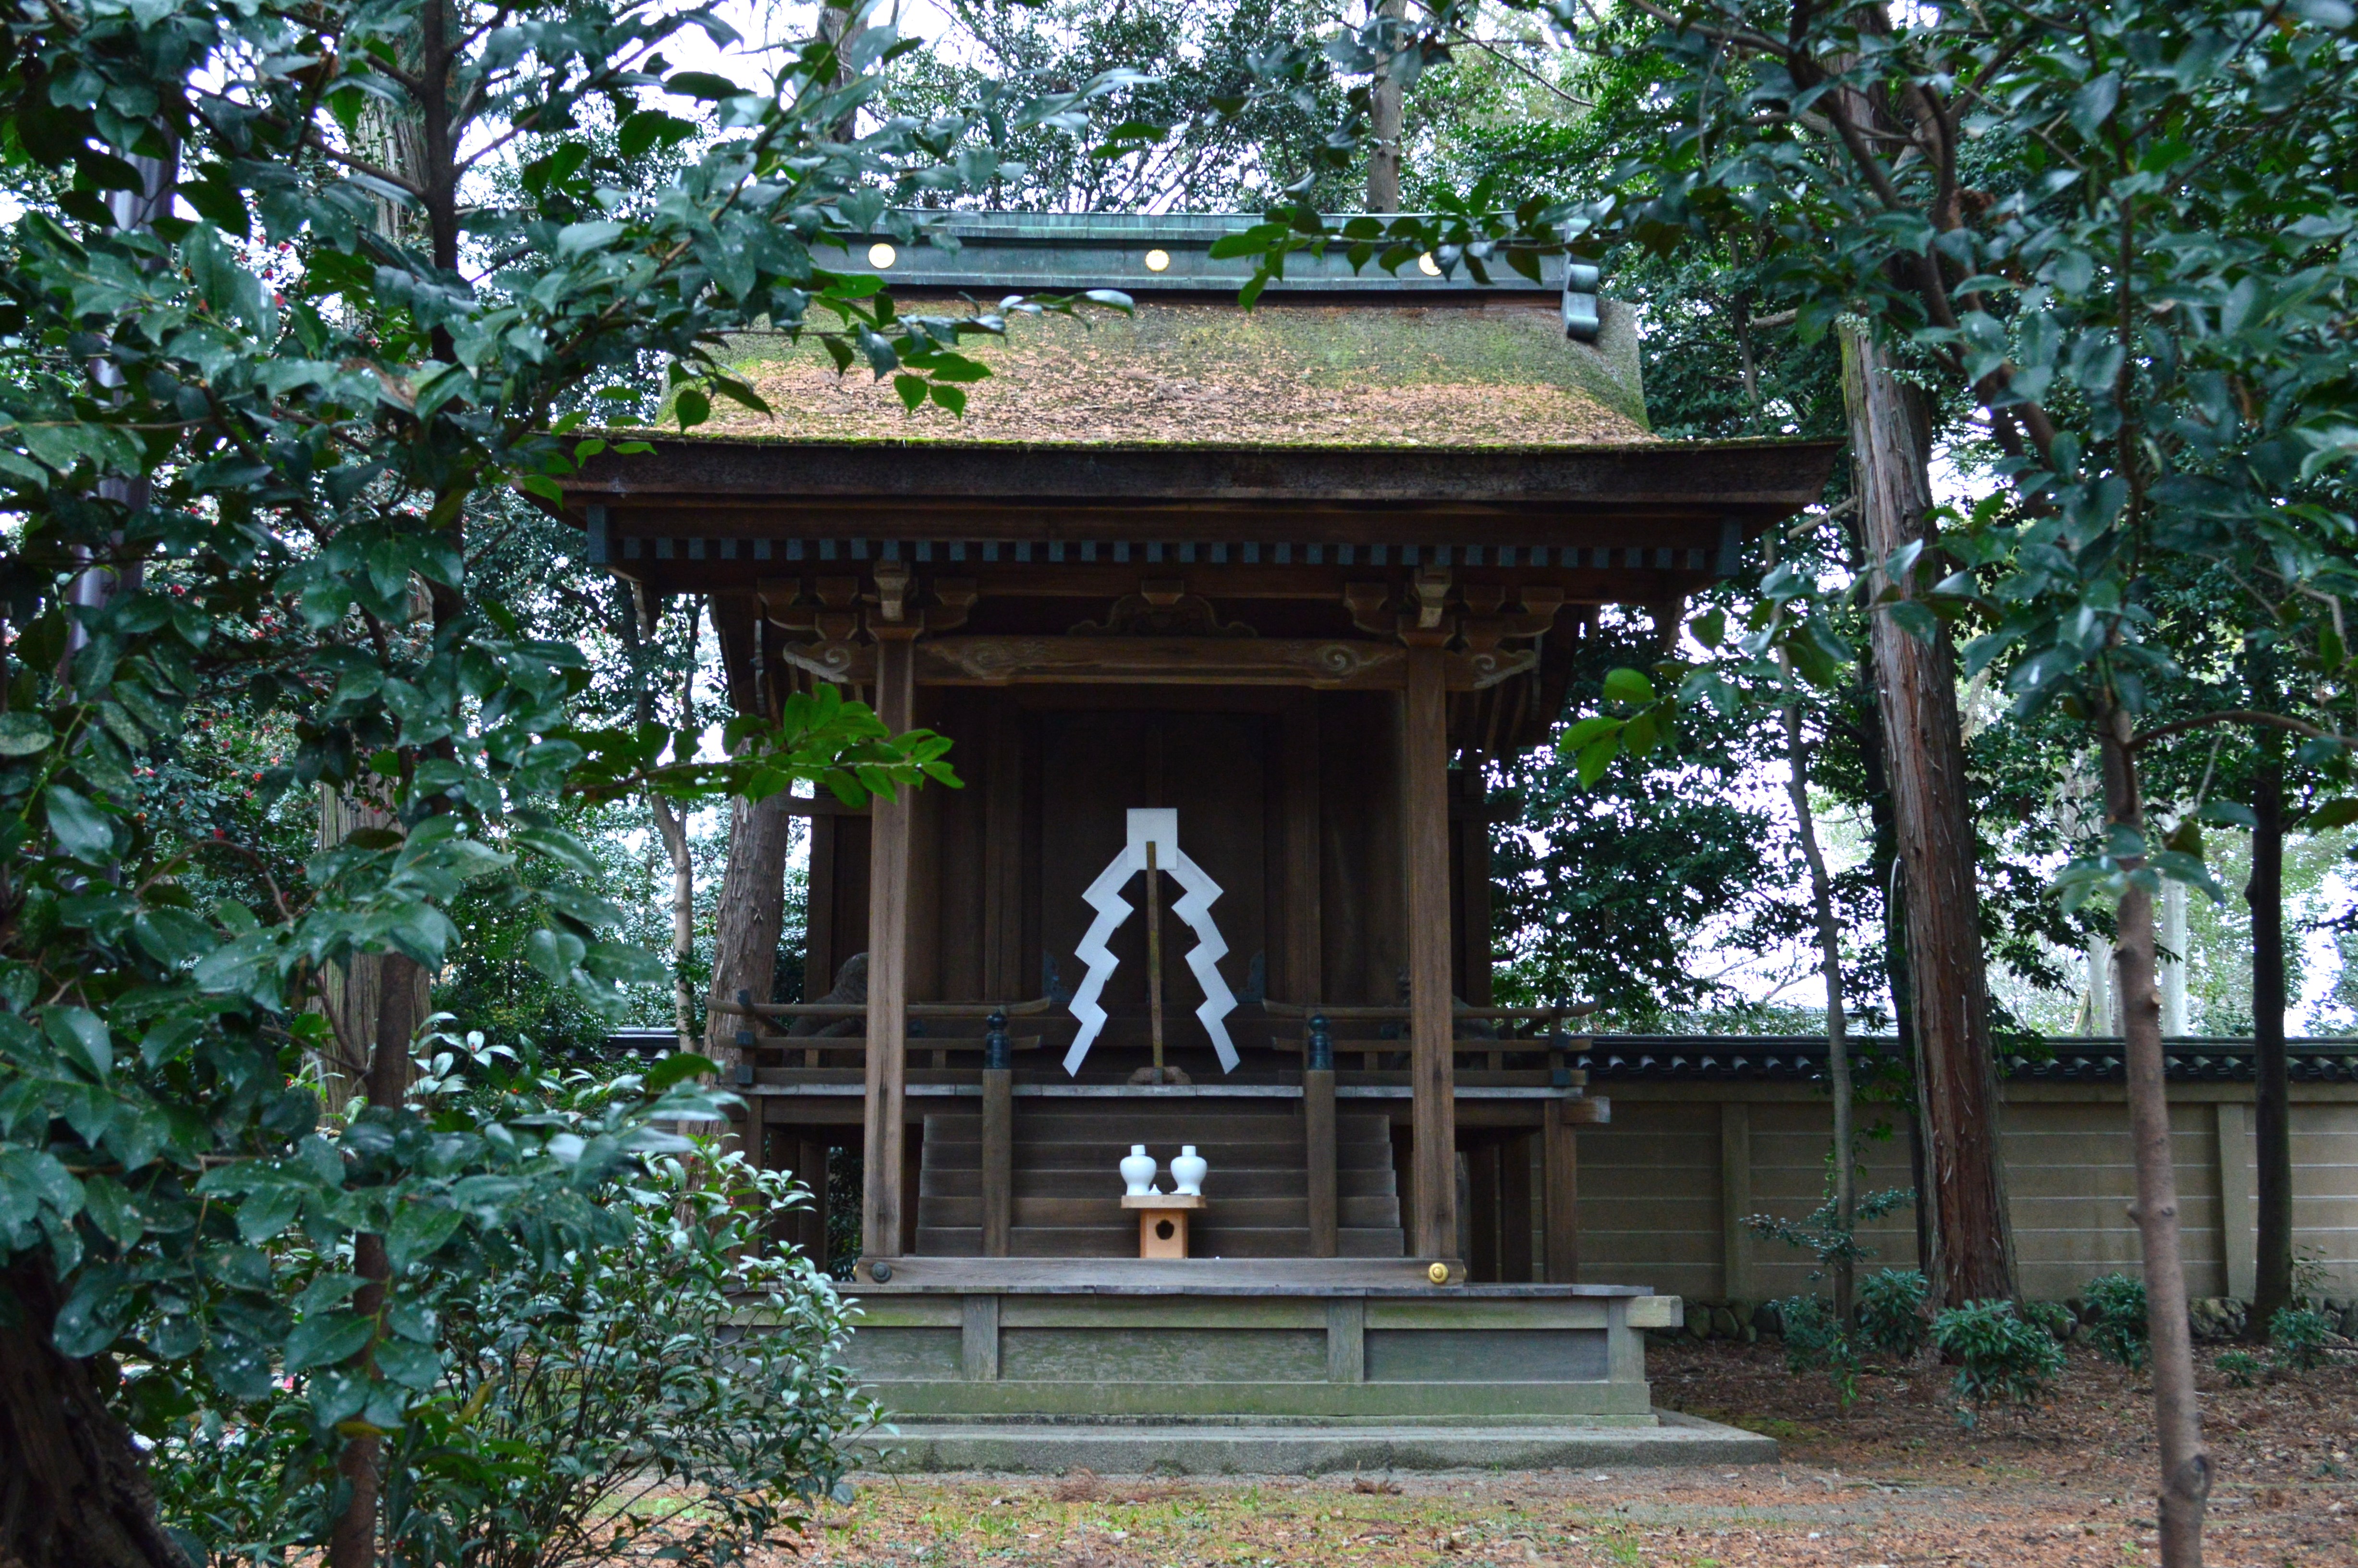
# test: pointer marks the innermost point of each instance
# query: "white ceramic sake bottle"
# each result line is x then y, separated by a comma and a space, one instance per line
1138, 1171
1188, 1170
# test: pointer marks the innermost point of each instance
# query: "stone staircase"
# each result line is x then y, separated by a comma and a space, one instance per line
1067, 1198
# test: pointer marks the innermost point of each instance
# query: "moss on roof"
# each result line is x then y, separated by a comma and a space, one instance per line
1189, 374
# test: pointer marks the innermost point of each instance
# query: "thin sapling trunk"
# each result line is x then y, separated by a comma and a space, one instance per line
2185, 1466
1822, 899
2272, 1110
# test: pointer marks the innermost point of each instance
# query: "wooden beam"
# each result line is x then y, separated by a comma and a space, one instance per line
1321, 664
1426, 738
888, 969
1559, 1156
1401, 486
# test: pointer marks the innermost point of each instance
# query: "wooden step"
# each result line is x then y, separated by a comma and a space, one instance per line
1066, 1181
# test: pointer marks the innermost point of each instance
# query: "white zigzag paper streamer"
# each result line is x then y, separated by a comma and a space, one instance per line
1198, 892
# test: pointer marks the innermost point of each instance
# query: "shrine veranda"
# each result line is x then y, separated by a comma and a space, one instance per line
1280, 581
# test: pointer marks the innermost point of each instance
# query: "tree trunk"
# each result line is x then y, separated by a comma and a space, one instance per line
747, 917
1821, 898
1884, 856
671, 826
2272, 1285
1916, 688
2185, 1467
1385, 117
351, 1541
73, 1490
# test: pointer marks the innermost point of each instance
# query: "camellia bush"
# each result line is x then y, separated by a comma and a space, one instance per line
292, 292
662, 1374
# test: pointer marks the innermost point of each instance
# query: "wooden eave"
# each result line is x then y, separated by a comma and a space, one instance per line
1069, 528
1392, 494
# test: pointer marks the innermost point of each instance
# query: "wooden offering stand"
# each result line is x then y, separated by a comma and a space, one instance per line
1163, 1221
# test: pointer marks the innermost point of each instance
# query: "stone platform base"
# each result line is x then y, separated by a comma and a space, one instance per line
1215, 1449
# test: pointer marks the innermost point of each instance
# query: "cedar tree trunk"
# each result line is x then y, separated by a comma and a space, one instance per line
2272, 1285
1972, 1256
73, 1487
750, 915
2185, 1467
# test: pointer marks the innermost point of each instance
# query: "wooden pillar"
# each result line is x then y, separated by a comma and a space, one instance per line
1559, 1158
1478, 1227
997, 1159
1515, 1210
1318, 1139
1432, 1081
882, 1213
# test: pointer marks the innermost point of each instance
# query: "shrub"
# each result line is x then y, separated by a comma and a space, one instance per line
1816, 1342
1891, 1310
2001, 1357
2117, 1318
2296, 1338
674, 1382
2055, 1318
2240, 1368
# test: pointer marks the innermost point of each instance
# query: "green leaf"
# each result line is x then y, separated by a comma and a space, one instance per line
1915, 618
912, 389
577, 240
417, 1229
1629, 685
324, 1338
702, 85
23, 734
2330, 814
677, 1069
82, 1036
648, 126
1596, 758
173, 936
82, 830
411, 1366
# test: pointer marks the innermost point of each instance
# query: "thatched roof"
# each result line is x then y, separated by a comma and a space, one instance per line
1367, 371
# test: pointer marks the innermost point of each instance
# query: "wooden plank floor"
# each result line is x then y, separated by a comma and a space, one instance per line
1067, 1190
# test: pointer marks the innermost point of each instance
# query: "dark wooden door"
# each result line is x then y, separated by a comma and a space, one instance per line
1212, 768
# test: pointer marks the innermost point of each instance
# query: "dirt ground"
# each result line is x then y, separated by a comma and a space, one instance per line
1895, 1480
